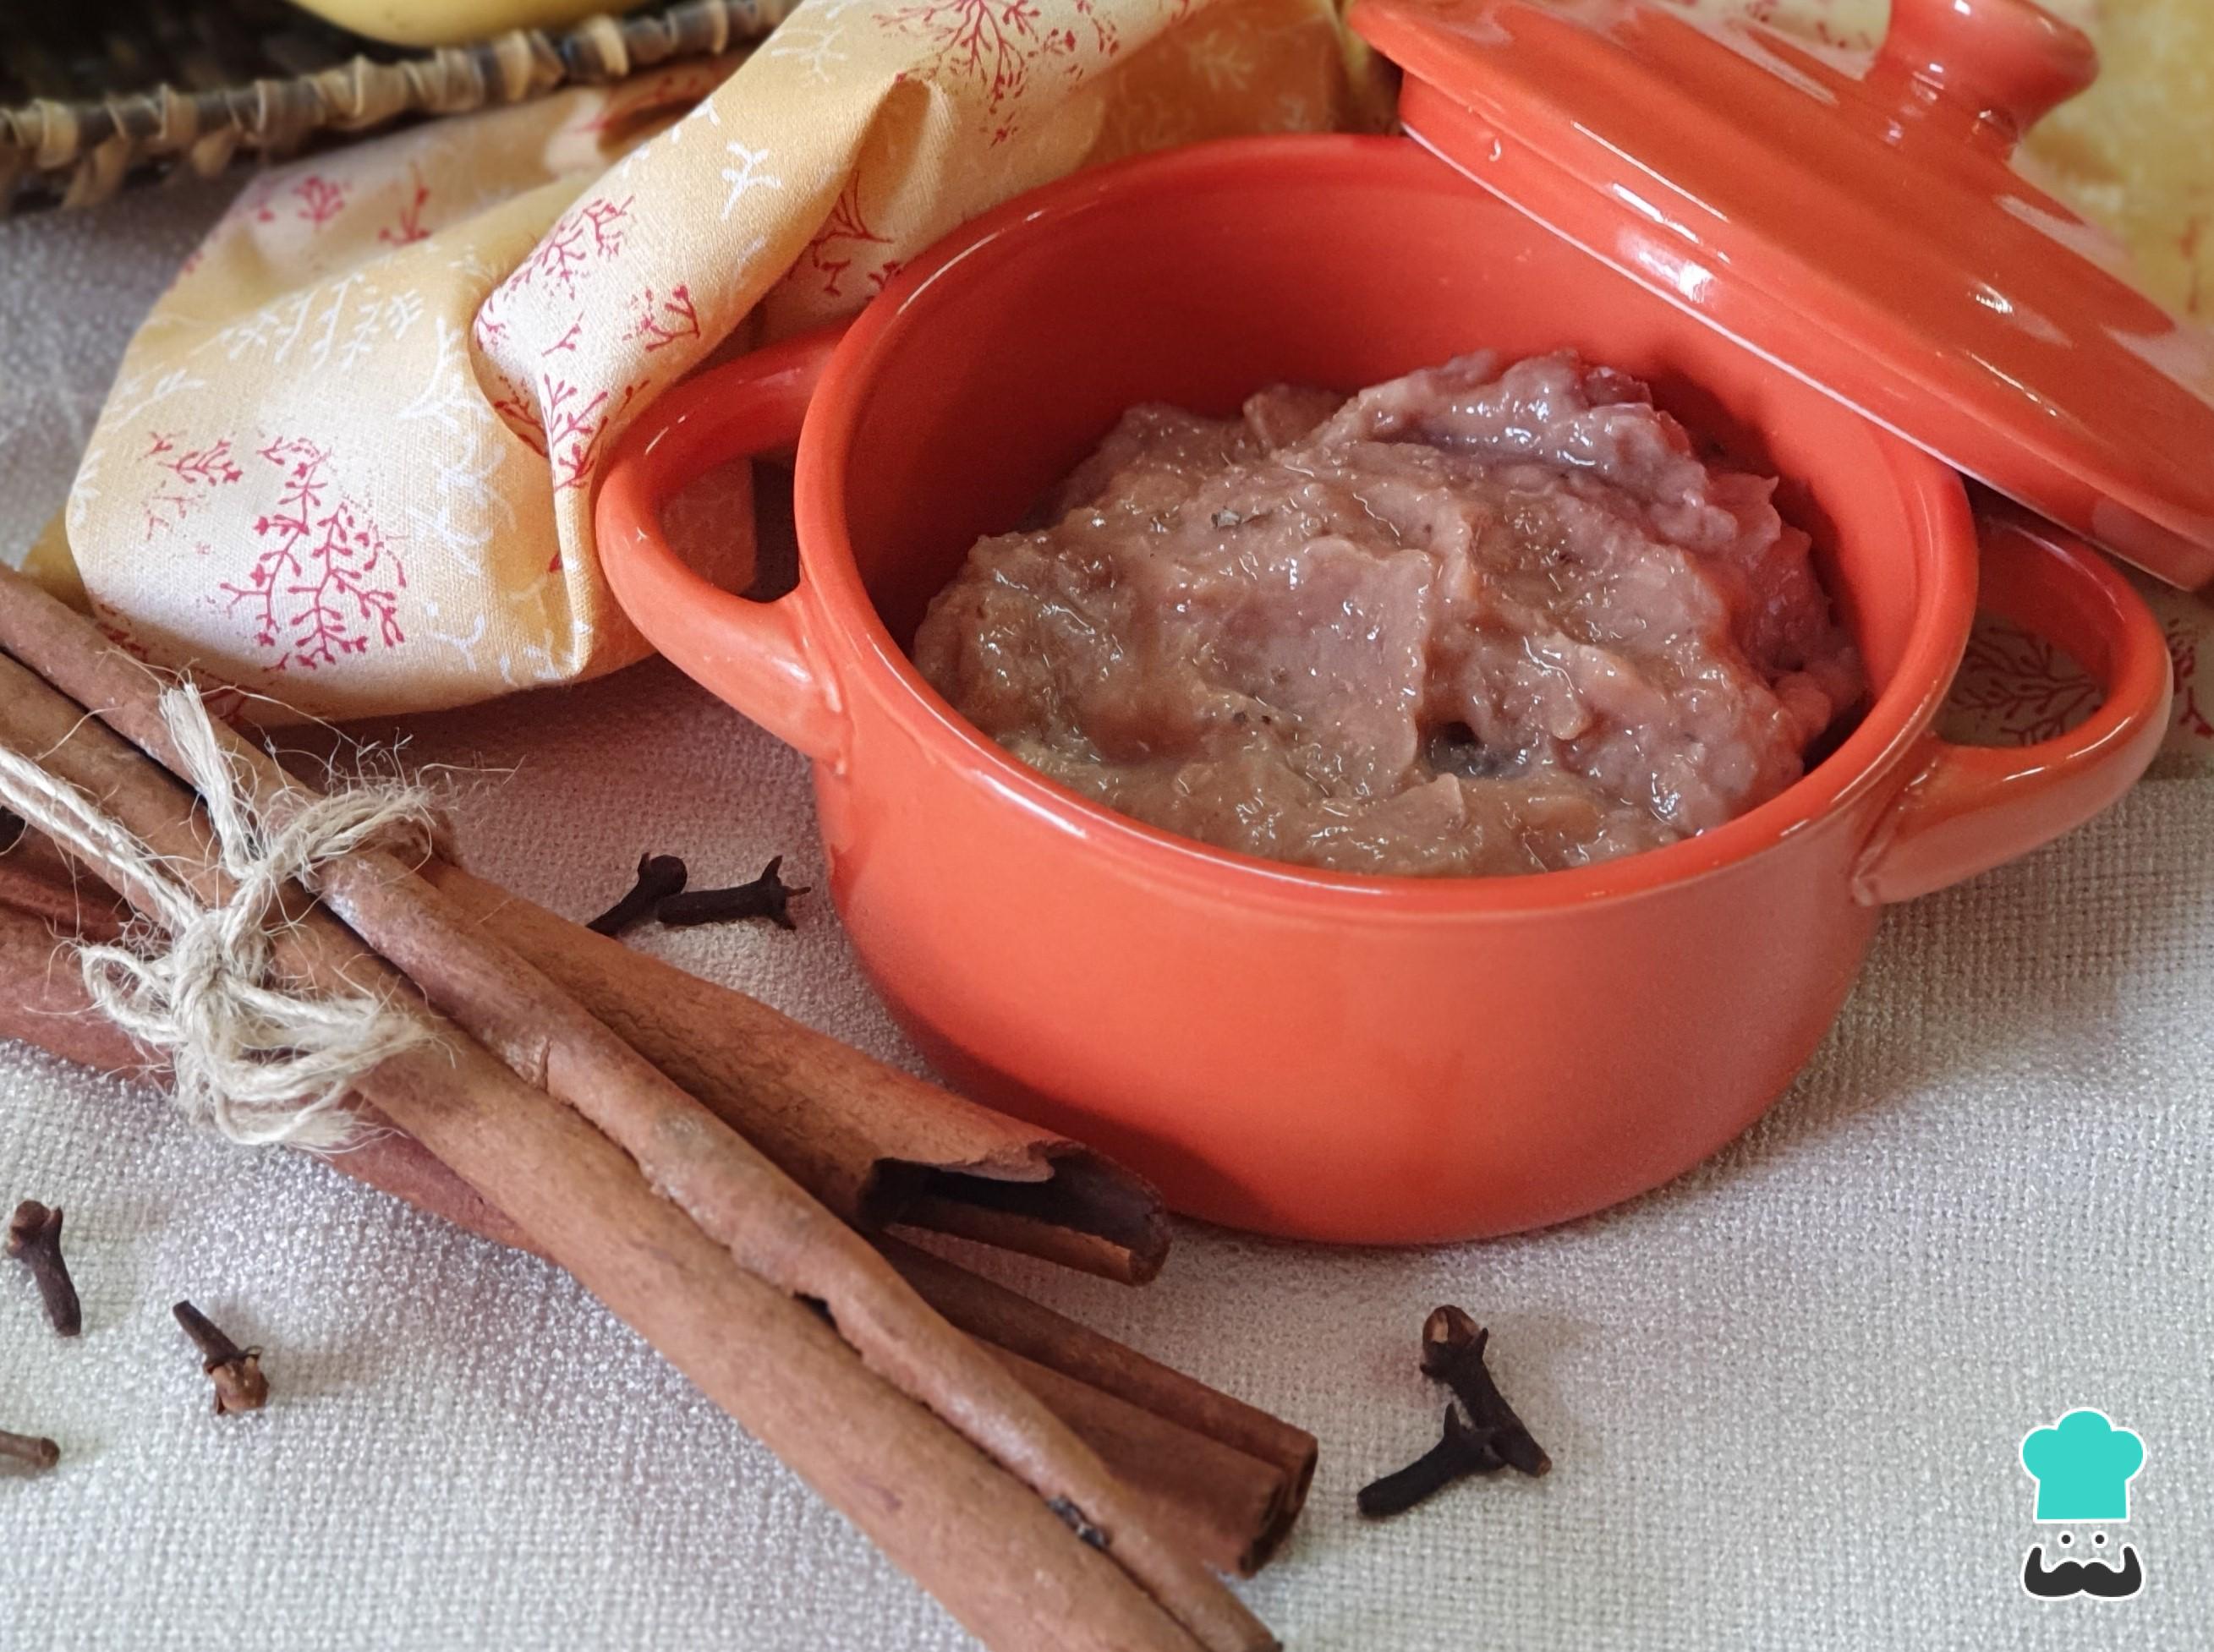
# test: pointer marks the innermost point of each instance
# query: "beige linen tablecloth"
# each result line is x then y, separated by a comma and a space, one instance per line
1785, 1395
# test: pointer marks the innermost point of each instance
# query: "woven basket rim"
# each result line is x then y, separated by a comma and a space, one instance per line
78, 152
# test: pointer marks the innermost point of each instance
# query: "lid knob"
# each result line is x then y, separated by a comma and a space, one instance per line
2010, 59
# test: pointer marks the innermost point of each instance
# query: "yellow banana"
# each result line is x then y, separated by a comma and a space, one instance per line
451, 23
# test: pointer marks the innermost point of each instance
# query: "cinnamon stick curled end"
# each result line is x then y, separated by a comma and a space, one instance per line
1056, 1200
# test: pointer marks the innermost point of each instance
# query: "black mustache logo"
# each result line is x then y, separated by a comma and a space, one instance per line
2082, 1577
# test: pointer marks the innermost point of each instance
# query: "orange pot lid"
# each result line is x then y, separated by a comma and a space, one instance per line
1852, 218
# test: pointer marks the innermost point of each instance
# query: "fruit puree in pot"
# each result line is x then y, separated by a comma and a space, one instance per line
1469, 621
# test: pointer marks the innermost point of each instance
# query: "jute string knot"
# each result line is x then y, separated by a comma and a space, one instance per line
254, 1057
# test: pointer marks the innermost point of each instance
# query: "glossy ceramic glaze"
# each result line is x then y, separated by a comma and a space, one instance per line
1304, 1053
1857, 219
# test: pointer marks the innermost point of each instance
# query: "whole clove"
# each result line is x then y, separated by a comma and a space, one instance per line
35, 1454
1453, 1353
1461, 1451
236, 1371
659, 876
767, 896
1481, 1432
34, 1239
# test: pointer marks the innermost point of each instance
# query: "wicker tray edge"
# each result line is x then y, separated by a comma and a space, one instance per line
75, 154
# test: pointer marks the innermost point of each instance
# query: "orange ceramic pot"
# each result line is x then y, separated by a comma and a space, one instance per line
1299, 1052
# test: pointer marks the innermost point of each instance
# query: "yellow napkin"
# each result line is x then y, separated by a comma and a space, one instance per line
348, 462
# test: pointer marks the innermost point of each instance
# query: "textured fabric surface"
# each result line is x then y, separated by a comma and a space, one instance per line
1785, 1395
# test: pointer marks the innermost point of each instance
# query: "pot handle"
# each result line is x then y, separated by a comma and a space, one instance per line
1973, 807
756, 655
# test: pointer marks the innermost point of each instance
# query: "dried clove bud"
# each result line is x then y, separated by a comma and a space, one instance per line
1481, 1432
764, 897
1460, 1451
34, 1237
1453, 1353
659, 876
236, 1371
34, 1453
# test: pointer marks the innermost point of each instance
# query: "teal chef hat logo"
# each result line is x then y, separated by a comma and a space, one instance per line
2083, 1465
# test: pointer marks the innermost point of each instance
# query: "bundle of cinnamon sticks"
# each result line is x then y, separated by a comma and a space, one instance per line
726, 1180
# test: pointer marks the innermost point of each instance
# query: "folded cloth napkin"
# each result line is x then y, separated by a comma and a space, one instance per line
347, 464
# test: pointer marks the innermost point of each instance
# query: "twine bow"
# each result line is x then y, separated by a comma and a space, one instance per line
256, 1058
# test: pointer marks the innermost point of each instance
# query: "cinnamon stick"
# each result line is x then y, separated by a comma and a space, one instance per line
738, 1198
967, 1532
37, 879
1001, 1561
788, 1247
1228, 1507
1232, 1479
1010, 1321
879, 1146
